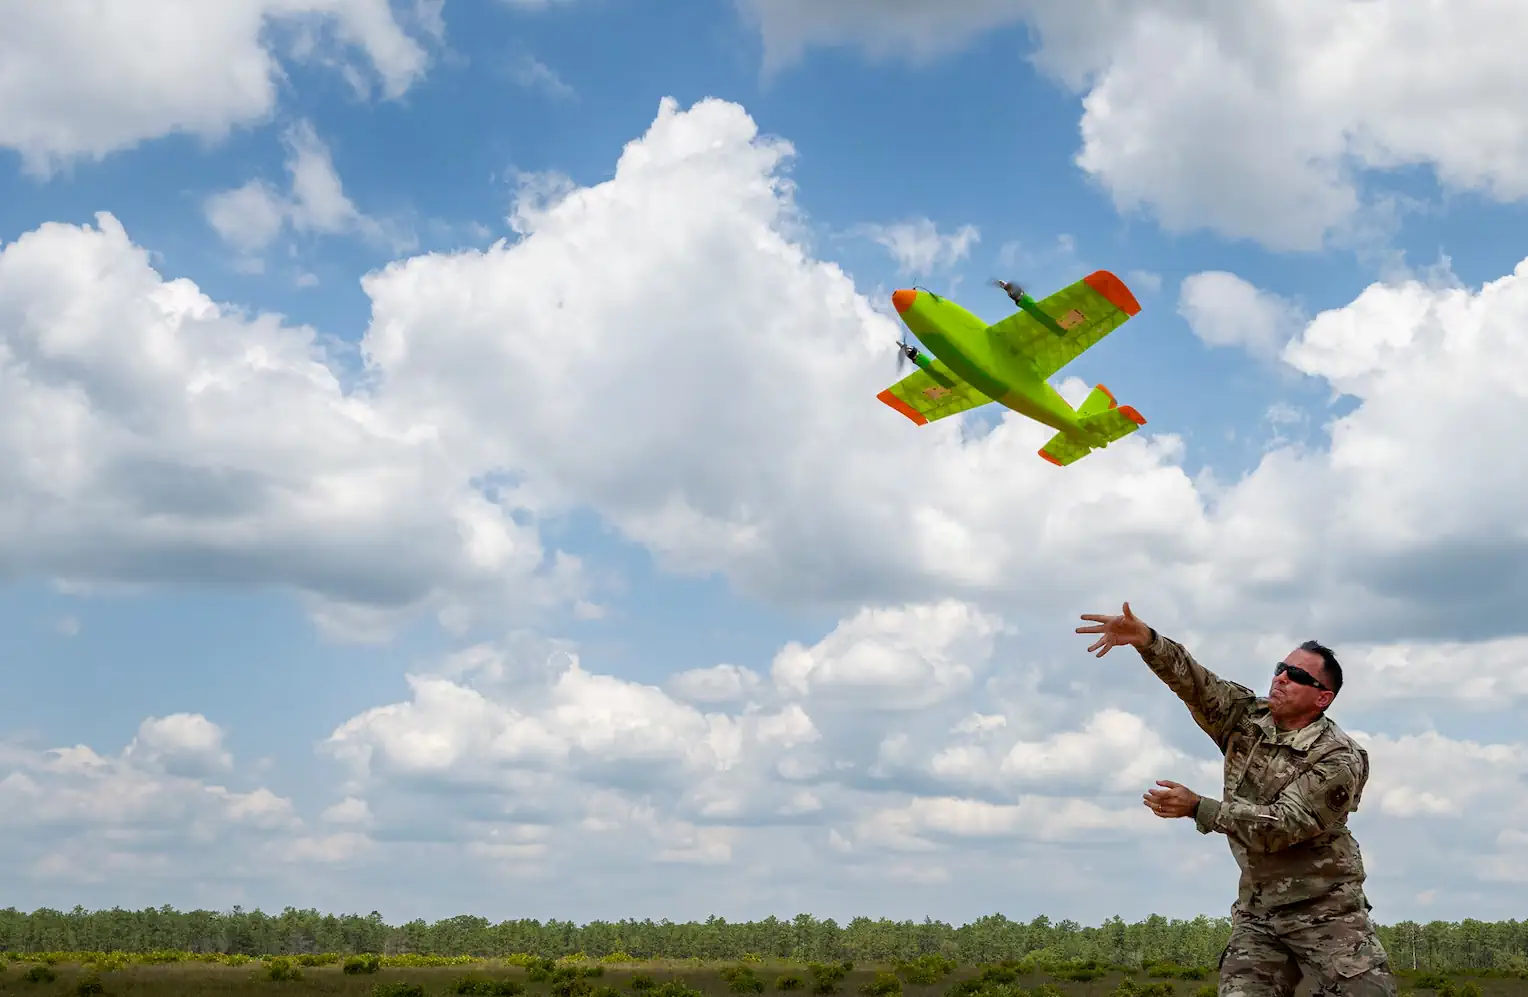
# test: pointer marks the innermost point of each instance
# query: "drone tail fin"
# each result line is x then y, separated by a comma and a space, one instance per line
1100, 399
1100, 416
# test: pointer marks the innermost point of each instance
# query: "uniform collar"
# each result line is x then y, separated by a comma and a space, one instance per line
1300, 740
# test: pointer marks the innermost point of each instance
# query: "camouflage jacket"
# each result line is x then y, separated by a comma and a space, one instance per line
1287, 793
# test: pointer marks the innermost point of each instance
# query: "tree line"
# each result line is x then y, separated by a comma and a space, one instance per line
1439, 946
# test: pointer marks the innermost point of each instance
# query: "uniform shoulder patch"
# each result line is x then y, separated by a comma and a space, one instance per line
1337, 797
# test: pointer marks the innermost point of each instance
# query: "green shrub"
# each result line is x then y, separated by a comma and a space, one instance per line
89, 985
989, 979
42, 973
318, 959
539, 969
281, 969
1130, 988
397, 988
1446, 987
1081, 972
994, 990
1001, 981
789, 981
484, 986
571, 986
741, 980
924, 971
826, 976
110, 962
675, 988
163, 957
1208, 990
573, 981
418, 960
883, 985
641, 982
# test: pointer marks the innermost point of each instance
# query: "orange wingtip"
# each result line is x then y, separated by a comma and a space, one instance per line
901, 406
1051, 459
1129, 412
1113, 290
1112, 402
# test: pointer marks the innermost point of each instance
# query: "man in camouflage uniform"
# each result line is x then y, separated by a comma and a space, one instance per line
1291, 779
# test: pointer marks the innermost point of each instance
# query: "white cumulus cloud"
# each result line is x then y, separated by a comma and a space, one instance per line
182, 744
1254, 120
151, 813
1225, 310
717, 684
150, 435
919, 248
251, 216
85, 79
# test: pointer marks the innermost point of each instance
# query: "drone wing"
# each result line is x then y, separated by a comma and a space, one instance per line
924, 397
1082, 314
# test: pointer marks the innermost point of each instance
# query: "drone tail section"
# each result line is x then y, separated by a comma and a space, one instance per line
1100, 399
1103, 419
1063, 450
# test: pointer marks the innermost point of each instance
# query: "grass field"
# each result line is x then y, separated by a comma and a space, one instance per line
285, 977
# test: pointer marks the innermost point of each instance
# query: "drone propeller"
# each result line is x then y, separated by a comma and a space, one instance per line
904, 353
1013, 291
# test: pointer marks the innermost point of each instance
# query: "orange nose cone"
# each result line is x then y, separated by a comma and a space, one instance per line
903, 300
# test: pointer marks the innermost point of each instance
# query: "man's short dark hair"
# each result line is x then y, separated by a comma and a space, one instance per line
1328, 664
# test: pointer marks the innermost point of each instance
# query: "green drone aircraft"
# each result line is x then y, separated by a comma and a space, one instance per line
1010, 361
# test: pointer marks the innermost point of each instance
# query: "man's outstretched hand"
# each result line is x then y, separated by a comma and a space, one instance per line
1174, 801
1116, 631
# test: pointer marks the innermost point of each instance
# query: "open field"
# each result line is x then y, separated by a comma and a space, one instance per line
161, 951
362, 976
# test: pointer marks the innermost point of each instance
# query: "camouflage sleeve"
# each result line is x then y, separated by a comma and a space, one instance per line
1215, 703
1315, 802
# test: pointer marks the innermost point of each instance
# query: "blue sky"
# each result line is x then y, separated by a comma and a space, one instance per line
271, 585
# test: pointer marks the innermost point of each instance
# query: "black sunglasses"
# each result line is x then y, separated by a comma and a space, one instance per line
1299, 675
